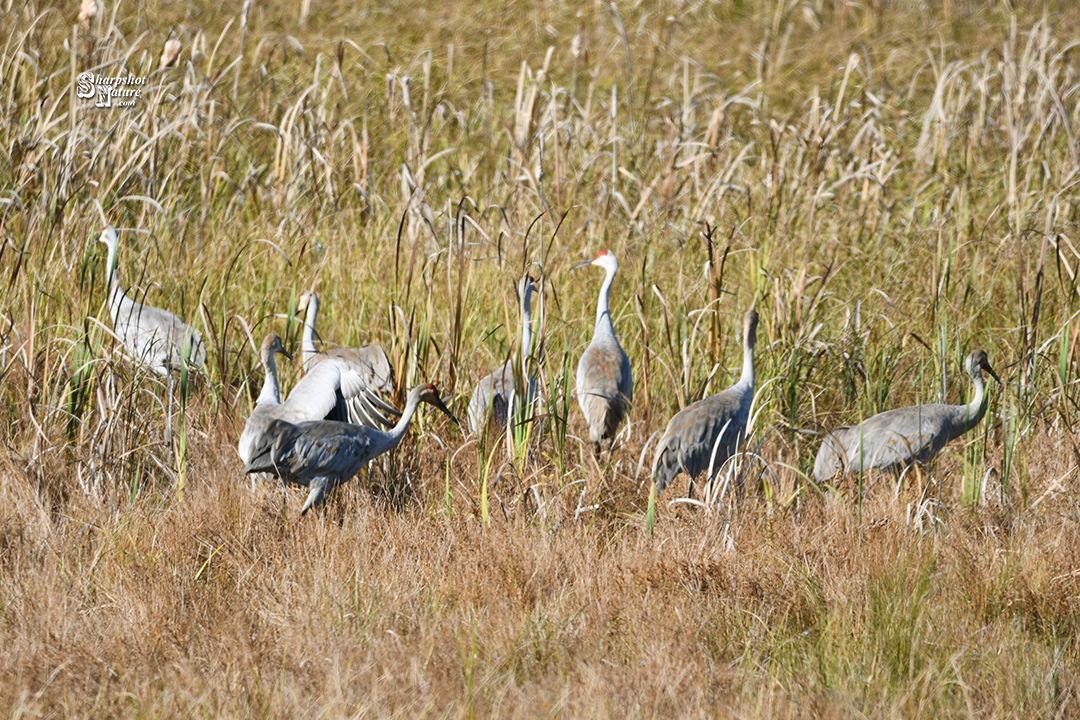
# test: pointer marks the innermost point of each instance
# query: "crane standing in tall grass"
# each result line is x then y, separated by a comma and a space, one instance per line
155, 338
324, 454
705, 434
605, 383
494, 396
896, 439
330, 391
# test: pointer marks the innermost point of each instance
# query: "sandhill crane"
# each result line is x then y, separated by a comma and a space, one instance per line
155, 338
713, 424
370, 360
895, 439
323, 455
321, 394
269, 402
494, 394
605, 384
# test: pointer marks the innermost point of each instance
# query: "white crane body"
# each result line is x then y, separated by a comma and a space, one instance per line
155, 338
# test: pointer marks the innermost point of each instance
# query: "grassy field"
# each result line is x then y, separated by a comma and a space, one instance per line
890, 184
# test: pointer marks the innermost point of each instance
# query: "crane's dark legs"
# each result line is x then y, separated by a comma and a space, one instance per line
168, 411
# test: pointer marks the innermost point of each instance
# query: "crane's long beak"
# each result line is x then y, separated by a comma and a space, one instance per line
438, 402
582, 264
286, 353
987, 368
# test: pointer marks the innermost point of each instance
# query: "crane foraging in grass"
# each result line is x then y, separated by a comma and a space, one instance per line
605, 384
324, 454
708, 432
328, 392
896, 439
493, 399
155, 338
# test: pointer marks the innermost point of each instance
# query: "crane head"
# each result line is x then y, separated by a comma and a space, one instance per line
430, 394
750, 323
272, 344
977, 362
108, 236
605, 259
306, 298
526, 287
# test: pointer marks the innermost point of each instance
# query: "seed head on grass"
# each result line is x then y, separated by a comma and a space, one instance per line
169, 53
88, 12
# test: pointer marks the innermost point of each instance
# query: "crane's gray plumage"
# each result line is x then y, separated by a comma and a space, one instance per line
494, 395
155, 338
268, 406
327, 392
688, 442
895, 439
605, 384
370, 361
324, 454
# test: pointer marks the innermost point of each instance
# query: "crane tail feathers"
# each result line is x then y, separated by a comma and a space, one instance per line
315, 497
663, 470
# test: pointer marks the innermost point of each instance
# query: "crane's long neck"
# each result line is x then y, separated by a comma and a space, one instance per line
116, 293
526, 325
603, 313
308, 342
747, 377
270, 392
110, 264
394, 434
976, 409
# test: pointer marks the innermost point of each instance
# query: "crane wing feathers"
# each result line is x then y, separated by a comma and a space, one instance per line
605, 372
688, 440
317, 395
896, 437
332, 390
369, 361
605, 387
352, 383
492, 396
890, 439
270, 450
304, 451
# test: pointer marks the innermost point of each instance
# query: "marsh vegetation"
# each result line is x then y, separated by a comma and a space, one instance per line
890, 184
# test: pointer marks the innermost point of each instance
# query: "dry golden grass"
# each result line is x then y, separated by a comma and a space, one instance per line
220, 605
890, 185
